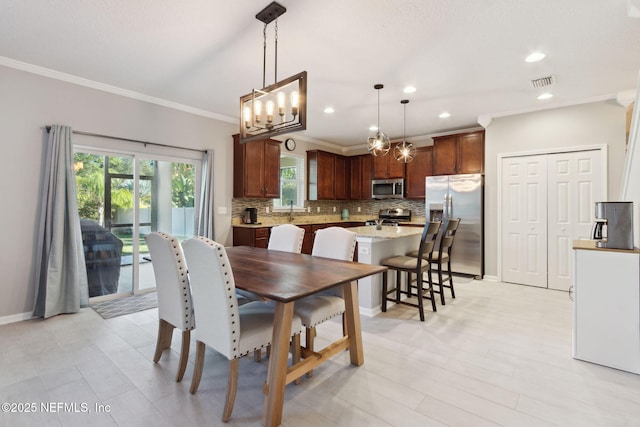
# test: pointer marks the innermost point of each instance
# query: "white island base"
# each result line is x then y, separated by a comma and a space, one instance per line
374, 246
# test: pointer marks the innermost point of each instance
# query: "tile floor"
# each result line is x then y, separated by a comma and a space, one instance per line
499, 354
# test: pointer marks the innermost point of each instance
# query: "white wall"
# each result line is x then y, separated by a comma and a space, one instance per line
29, 102
587, 124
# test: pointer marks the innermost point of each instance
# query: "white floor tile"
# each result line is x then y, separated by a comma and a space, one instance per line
499, 354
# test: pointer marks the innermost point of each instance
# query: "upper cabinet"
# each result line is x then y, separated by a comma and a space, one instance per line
256, 168
457, 154
327, 176
416, 170
361, 170
387, 166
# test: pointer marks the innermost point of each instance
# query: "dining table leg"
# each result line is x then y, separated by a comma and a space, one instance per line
277, 375
352, 317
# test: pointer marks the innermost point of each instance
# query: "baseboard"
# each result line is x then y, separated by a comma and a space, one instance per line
15, 318
370, 312
490, 278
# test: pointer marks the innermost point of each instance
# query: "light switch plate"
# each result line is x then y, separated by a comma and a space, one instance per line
222, 210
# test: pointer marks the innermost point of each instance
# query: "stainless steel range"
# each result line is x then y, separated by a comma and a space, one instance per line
392, 217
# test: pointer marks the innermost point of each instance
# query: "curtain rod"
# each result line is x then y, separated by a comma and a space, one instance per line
77, 132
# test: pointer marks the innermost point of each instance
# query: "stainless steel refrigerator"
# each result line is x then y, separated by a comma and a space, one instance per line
460, 196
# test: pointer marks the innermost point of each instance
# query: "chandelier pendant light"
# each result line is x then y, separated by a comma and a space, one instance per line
404, 151
278, 108
378, 145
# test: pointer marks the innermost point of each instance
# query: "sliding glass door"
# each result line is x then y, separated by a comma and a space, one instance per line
121, 199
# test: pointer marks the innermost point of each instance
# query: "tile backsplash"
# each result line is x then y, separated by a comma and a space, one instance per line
368, 207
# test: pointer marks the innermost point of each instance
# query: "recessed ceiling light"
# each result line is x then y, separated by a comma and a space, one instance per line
329, 110
444, 115
535, 57
544, 96
373, 128
409, 89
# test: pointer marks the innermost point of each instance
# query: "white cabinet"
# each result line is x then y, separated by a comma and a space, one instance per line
606, 327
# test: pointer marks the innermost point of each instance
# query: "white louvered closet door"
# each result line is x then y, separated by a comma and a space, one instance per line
524, 220
575, 184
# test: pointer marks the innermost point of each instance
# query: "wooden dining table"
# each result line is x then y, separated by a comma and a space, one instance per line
285, 277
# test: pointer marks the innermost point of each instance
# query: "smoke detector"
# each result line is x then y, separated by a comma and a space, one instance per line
542, 82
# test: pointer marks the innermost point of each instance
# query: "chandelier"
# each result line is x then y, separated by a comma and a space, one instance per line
378, 145
405, 151
278, 108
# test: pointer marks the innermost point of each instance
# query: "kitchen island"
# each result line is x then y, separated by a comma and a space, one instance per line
375, 245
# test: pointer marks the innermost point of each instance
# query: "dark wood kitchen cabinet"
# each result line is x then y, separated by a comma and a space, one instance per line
256, 168
459, 153
251, 236
327, 176
387, 166
342, 181
416, 171
361, 170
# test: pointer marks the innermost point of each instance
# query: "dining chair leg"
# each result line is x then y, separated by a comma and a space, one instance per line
198, 367
184, 354
232, 387
384, 291
309, 342
398, 279
419, 291
431, 293
440, 283
165, 333
295, 354
344, 325
453, 293
257, 355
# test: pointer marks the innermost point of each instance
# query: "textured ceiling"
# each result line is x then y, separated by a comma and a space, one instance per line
463, 56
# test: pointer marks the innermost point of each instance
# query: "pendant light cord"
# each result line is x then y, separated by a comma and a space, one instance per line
378, 110
404, 130
264, 55
275, 73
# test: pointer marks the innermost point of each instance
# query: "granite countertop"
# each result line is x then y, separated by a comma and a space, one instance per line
590, 245
319, 219
386, 232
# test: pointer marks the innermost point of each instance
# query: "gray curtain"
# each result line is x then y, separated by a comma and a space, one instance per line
61, 276
205, 214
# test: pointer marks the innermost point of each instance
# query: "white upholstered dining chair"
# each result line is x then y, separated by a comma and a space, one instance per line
231, 330
287, 238
331, 242
175, 309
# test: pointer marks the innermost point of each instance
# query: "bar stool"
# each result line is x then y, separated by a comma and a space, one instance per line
442, 256
411, 265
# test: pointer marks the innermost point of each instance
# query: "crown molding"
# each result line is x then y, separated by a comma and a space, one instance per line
69, 78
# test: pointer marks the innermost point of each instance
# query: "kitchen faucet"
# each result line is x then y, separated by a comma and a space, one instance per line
291, 211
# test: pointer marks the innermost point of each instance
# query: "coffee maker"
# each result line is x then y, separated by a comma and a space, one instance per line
613, 227
250, 216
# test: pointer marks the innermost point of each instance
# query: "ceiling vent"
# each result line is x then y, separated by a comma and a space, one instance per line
542, 82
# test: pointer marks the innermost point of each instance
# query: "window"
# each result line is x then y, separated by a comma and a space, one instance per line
291, 182
123, 196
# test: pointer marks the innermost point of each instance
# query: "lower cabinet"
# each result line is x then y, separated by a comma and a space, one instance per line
307, 243
606, 328
259, 236
249, 236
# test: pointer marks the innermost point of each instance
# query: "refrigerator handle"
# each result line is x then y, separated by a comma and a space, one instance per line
450, 207
445, 207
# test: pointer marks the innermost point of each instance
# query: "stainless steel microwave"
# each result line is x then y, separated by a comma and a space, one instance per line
387, 188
